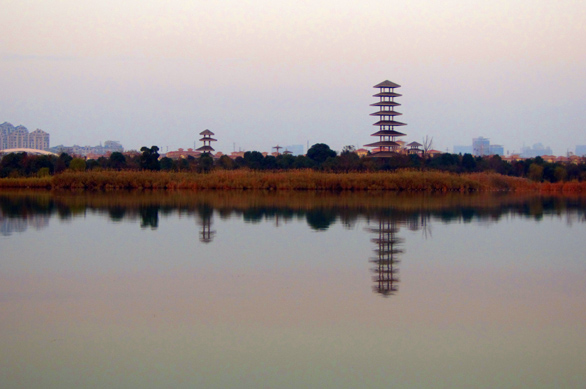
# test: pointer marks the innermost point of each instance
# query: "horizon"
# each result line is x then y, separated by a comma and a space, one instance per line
148, 73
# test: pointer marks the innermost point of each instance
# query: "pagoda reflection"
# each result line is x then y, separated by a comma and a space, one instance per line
387, 251
205, 213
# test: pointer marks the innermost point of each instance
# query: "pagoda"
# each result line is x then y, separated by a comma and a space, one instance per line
387, 145
207, 140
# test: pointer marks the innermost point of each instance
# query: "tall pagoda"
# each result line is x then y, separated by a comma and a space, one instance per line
387, 144
207, 140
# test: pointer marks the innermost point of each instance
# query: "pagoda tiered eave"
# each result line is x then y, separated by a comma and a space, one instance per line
386, 113
387, 84
382, 143
387, 133
388, 123
385, 103
387, 94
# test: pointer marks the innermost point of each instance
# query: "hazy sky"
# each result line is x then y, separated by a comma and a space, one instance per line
260, 73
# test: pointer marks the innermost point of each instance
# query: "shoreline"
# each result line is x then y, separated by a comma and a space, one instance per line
296, 180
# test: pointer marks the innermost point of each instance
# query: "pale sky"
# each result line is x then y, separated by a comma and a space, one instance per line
260, 73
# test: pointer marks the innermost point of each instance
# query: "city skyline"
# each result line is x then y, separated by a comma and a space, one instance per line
148, 73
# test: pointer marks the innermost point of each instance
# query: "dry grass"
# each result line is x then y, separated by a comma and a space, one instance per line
306, 180
32, 182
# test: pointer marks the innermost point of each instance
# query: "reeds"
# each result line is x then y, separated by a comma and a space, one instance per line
306, 180
31, 182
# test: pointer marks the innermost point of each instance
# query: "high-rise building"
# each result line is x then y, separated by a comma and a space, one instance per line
38, 139
387, 145
538, 149
19, 138
480, 146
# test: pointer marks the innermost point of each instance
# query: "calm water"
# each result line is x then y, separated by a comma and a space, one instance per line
233, 290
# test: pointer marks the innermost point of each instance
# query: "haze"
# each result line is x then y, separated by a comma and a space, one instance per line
260, 73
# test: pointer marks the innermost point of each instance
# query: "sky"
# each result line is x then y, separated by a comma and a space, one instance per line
262, 73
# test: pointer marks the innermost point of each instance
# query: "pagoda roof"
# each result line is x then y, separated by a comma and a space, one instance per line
205, 148
208, 139
384, 104
387, 84
382, 143
388, 123
387, 94
384, 154
414, 144
386, 113
388, 133
206, 132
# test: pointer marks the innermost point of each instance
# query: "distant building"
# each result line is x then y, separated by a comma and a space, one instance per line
182, 154
537, 150
19, 138
362, 152
496, 150
462, 150
108, 148
480, 146
581, 150
294, 149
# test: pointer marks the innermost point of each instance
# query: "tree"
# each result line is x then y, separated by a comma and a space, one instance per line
226, 162
349, 149
205, 163
117, 160
62, 162
427, 144
149, 159
167, 163
560, 173
535, 172
319, 152
77, 164
254, 159
468, 162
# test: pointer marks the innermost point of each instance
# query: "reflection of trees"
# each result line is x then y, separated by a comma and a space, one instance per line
149, 216
320, 219
319, 210
116, 213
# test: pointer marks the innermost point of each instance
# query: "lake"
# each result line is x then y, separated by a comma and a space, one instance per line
290, 290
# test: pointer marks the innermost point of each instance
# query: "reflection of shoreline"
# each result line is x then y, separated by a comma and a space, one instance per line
318, 209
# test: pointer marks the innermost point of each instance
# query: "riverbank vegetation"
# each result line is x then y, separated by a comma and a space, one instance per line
321, 169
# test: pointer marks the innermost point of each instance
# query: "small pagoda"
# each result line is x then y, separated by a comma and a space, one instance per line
387, 145
207, 140
415, 148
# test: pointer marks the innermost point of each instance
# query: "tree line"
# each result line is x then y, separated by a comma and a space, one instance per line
319, 157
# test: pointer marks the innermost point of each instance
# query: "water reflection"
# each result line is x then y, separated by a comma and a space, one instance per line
385, 213
320, 211
386, 260
205, 213
201, 290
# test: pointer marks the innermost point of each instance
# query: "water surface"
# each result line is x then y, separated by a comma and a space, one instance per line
233, 289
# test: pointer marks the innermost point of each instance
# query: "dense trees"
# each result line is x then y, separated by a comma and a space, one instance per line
319, 157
